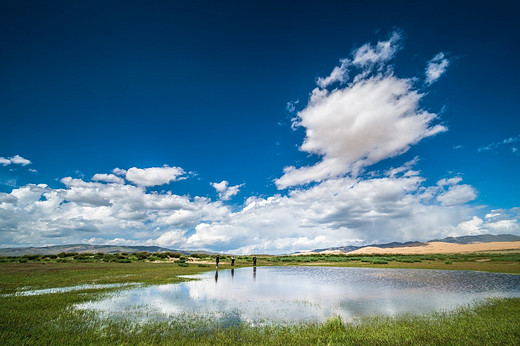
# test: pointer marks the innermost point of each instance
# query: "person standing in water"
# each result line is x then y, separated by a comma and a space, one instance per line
232, 261
254, 261
217, 260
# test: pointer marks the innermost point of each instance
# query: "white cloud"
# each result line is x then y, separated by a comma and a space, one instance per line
501, 143
450, 181
291, 106
436, 68
170, 238
495, 222
470, 227
338, 74
368, 55
119, 171
361, 124
458, 194
154, 176
225, 192
374, 117
108, 178
16, 160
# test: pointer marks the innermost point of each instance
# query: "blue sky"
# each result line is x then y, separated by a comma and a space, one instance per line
265, 127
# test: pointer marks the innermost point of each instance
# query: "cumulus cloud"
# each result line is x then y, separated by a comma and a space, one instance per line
336, 211
108, 178
154, 176
119, 171
375, 116
83, 210
394, 206
366, 122
225, 192
16, 160
436, 68
450, 193
458, 194
498, 221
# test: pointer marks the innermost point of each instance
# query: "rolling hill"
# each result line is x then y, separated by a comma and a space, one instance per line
80, 248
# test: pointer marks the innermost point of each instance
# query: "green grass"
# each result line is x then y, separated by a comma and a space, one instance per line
507, 262
50, 319
47, 319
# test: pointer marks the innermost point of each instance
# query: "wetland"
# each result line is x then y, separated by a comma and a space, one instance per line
337, 300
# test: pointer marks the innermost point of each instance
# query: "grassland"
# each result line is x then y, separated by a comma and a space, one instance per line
50, 318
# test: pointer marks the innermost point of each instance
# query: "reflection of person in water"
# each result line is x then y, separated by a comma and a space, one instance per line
232, 273
216, 276
254, 273
232, 261
217, 260
254, 261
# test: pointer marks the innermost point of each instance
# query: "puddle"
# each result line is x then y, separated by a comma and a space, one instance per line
294, 294
67, 289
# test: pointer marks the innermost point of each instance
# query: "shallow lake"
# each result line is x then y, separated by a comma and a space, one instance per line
293, 294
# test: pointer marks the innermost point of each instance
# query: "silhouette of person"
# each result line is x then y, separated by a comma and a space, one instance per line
232, 261
254, 261
217, 260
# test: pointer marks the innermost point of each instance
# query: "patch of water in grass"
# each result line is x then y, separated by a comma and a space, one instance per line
29, 292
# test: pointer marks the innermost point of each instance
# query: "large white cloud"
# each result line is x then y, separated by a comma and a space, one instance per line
376, 116
353, 127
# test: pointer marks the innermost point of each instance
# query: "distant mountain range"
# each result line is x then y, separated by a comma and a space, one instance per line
80, 248
468, 239
86, 248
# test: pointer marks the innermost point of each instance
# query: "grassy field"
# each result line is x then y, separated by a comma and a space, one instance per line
505, 262
49, 318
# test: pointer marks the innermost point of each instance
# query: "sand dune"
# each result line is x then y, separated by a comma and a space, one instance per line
441, 247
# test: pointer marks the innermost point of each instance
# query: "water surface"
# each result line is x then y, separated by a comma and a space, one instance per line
294, 294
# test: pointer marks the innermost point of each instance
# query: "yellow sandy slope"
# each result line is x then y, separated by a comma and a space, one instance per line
441, 247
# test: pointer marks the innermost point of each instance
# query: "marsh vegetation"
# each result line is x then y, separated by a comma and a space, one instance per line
52, 318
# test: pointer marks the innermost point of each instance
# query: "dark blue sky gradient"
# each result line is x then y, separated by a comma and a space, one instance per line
203, 85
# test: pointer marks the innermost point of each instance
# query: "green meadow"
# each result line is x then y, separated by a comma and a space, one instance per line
51, 319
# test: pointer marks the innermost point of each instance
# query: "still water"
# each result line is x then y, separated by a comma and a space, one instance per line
293, 294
